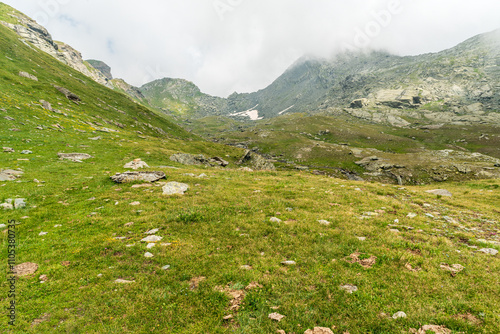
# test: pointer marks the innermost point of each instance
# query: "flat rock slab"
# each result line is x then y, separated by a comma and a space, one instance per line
137, 176
10, 174
123, 281
490, 251
27, 268
78, 157
349, 288
319, 330
440, 192
175, 188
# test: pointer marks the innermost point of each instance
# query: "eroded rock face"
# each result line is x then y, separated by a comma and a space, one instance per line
137, 176
38, 36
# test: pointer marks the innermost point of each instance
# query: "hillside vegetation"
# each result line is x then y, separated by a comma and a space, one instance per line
240, 247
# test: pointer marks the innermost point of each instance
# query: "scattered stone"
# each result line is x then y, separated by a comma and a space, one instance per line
198, 160
319, 330
289, 263
490, 251
398, 315
46, 105
28, 75
228, 317
136, 164
361, 238
76, 157
135, 203
123, 281
19, 203
202, 176
257, 161
394, 230
129, 224
43, 233
26, 152
3, 226
246, 267
324, 222
275, 220
349, 288
440, 192
411, 215
10, 174
276, 316
43, 278
152, 238
165, 267
8, 150
69, 95
148, 255
96, 138
175, 188
27, 268
7, 206
454, 269
289, 209
138, 176
153, 231
150, 245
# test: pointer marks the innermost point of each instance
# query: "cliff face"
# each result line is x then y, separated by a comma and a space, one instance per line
34, 34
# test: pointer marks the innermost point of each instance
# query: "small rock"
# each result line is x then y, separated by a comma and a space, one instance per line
289, 209
148, 254
394, 230
8, 150
202, 176
349, 288
3, 226
453, 269
289, 263
228, 317
175, 188
246, 267
361, 238
26, 152
150, 245
135, 203
276, 316
123, 281
324, 222
43, 278
399, 314
43, 233
7, 206
165, 267
153, 231
275, 220
152, 238
411, 215
440, 192
99, 275
76, 157
490, 251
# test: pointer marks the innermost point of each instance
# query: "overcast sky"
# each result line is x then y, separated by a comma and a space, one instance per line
243, 45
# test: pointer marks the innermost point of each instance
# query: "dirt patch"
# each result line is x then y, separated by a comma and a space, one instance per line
434, 328
364, 262
195, 282
454, 269
468, 317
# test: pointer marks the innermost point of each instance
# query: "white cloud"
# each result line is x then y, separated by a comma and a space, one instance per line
243, 45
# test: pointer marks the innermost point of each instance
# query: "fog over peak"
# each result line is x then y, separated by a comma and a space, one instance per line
241, 45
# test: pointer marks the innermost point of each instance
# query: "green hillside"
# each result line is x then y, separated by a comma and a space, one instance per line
240, 247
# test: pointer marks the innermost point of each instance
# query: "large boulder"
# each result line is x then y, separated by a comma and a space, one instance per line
175, 188
137, 176
257, 161
198, 160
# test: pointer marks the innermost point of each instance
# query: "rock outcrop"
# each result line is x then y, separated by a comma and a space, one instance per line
137, 176
198, 160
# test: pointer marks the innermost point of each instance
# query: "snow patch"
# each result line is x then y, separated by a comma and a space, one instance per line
284, 111
252, 113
